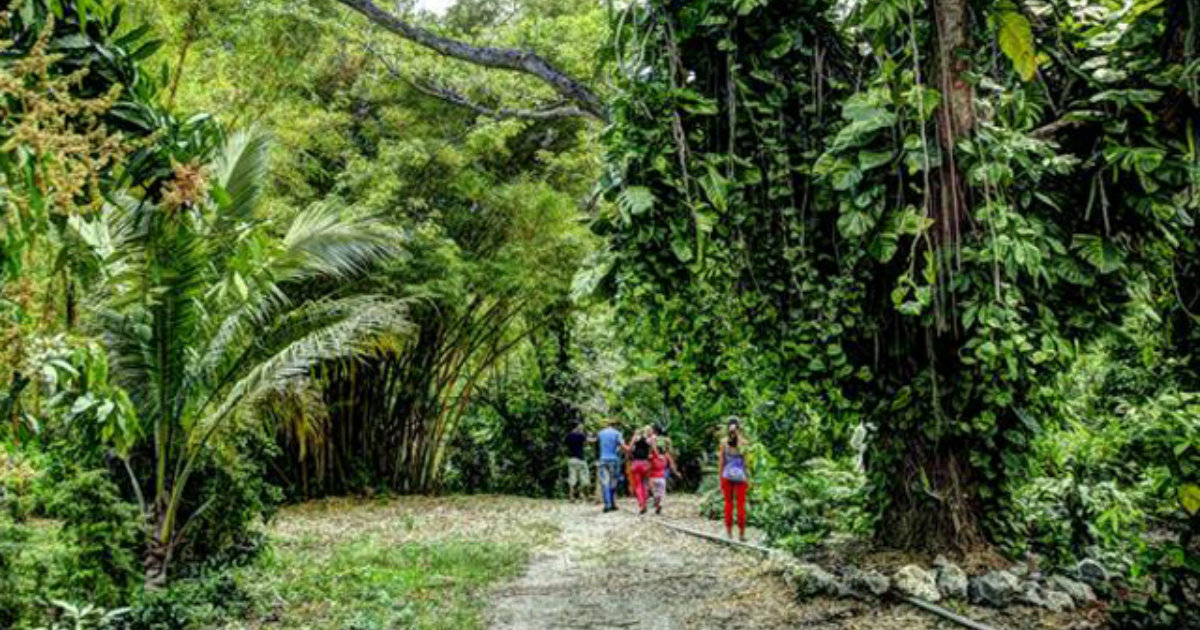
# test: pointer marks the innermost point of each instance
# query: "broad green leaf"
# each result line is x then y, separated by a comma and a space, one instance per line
635, 200
682, 246
715, 185
1098, 252
1189, 496
846, 178
779, 45
854, 223
884, 246
868, 160
1016, 41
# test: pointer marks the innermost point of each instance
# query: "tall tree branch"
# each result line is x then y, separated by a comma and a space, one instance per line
523, 61
558, 110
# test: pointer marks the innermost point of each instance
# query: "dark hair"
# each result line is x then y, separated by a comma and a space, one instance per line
659, 430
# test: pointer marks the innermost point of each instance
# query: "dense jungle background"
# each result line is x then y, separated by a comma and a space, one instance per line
940, 257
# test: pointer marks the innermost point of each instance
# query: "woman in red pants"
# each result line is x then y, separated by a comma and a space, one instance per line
731, 461
639, 467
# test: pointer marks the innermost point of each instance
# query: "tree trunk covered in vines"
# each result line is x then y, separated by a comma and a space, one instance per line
931, 487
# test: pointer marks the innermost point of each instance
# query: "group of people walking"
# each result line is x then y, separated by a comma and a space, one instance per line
646, 462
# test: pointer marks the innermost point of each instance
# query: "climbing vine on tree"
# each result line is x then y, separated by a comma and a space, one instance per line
911, 212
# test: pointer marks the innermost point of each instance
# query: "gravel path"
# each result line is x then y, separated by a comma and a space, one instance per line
621, 570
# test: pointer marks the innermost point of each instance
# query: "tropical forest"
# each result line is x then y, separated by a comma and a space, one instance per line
592, 314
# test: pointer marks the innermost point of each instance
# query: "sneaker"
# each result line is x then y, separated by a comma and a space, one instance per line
642, 511
658, 509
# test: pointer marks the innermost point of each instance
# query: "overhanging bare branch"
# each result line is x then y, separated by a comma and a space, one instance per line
522, 61
499, 113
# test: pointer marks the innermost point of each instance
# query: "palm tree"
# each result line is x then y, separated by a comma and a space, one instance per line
206, 309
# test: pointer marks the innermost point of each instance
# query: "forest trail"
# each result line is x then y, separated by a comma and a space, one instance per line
621, 570
624, 571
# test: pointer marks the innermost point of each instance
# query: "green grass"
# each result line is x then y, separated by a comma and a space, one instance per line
368, 584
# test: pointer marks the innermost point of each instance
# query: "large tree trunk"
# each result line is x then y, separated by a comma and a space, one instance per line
956, 118
932, 500
930, 485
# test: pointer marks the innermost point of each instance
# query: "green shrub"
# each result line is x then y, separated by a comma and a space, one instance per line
12, 542
68, 616
232, 501
107, 538
203, 601
21, 475
824, 500
1065, 518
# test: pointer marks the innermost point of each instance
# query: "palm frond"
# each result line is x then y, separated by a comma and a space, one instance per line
130, 362
300, 414
239, 173
251, 335
369, 323
320, 242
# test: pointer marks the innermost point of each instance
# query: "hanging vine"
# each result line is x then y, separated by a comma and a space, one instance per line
870, 210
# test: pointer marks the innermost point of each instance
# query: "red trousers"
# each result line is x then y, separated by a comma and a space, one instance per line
734, 492
639, 471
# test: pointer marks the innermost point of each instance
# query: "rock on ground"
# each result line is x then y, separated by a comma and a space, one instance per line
868, 582
952, 581
995, 589
1079, 592
914, 581
810, 580
1031, 593
1058, 601
1091, 571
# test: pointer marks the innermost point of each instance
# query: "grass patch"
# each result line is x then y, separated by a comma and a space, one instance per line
367, 585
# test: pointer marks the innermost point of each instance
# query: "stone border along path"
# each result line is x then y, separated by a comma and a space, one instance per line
933, 608
622, 571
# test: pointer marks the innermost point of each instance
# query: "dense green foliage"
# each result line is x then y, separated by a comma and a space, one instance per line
843, 217
939, 256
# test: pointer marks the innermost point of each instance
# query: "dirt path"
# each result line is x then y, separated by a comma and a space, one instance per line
349, 563
620, 570
624, 571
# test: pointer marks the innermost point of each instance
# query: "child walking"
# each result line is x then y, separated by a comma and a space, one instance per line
660, 463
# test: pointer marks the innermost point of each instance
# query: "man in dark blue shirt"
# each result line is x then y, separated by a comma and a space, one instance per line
577, 468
